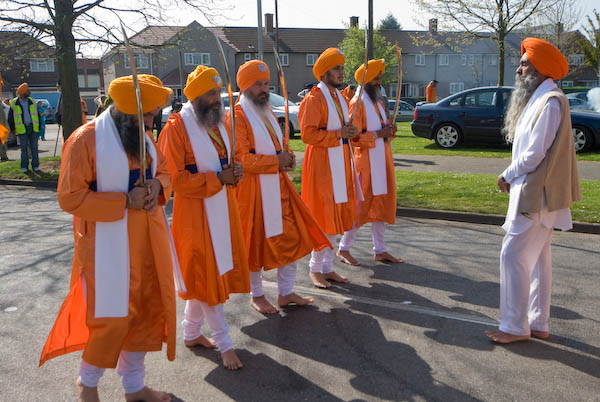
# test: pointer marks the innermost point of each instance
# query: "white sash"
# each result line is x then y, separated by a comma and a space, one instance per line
217, 206
270, 192
337, 166
377, 154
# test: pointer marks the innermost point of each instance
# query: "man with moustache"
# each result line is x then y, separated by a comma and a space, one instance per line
374, 162
206, 223
122, 300
328, 175
543, 182
278, 228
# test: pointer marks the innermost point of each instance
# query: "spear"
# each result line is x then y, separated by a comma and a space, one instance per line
140, 114
364, 77
286, 138
399, 86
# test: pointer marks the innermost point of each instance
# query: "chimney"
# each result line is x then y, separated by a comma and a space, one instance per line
433, 25
353, 22
269, 22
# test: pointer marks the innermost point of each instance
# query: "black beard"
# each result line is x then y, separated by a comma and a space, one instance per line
373, 92
128, 131
207, 115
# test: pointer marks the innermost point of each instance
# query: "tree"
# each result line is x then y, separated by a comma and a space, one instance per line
480, 17
590, 46
353, 47
67, 23
559, 17
389, 22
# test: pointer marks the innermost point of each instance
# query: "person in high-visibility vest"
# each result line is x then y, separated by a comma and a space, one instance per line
24, 120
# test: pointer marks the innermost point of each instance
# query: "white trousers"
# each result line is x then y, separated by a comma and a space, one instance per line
377, 235
131, 369
526, 280
286, 277
195, 314
322, 261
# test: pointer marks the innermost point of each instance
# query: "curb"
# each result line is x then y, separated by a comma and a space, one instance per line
485, 219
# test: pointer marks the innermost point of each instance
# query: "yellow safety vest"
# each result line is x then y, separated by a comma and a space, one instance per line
15, 105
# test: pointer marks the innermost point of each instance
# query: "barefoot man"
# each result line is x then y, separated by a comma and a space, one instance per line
374, 162
327, 172
122, 300
206, 223
543, 182
278, 228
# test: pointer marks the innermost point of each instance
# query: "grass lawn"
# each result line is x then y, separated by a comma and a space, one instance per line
49, 167
408, 144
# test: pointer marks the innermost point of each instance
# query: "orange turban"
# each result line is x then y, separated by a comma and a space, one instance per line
545, 57
200, 81
22, 88
374, 67
152, 92
327, 60
251, 72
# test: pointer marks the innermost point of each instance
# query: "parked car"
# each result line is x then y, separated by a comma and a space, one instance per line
411, 100
405, 110
578, 104
477, 115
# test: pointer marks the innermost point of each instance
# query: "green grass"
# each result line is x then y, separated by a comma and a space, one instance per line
408, 144
49, 165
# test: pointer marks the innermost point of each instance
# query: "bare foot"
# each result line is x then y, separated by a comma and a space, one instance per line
201, 341
86, 394
293, 298
505, 337
540, 334
231, 361
347, 258
332, 276
387, 257
263, 306
318, 279
147, 394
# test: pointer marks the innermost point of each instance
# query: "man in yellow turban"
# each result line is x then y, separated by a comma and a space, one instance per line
206, 223
543, 182
329, 187
278, 228
122, 299
374, 162
24, 121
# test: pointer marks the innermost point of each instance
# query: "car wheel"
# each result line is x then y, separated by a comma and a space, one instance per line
447, 136
582, 139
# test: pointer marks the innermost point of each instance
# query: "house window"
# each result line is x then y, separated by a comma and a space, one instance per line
413, 90
575, 59
81, 79
311, 58
492, 60
41, 65
247, 57
567, 84
471, 59
194, 59
284, 59
141, 60
444, 59
456, 87
419, 59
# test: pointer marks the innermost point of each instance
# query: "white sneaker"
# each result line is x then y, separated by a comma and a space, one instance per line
37, 170
24, 170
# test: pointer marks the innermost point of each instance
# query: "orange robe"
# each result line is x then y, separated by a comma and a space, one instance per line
379, 208
83, 110
152, 315
301, 233
430, 95
317, 189
190, 225
348, 93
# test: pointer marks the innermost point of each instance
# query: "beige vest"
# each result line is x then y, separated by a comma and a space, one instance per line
556, 176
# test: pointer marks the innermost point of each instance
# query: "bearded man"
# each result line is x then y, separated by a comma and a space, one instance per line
278, 228
122, 300
543, 182
206, 223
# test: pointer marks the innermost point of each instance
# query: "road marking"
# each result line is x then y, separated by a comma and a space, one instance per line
403, 306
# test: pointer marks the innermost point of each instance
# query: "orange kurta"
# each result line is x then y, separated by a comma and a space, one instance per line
152, 316
430, 95
301, 233
190, 225
380, 208
317, 189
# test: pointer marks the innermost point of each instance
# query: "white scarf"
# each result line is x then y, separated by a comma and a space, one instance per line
269, 183
377, 154
217, 206
111, 259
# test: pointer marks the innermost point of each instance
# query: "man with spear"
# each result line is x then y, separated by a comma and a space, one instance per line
278, 228
206, 224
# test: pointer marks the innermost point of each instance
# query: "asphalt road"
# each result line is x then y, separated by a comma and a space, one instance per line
410, 332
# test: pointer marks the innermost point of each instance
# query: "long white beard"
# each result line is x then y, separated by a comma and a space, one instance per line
524, 88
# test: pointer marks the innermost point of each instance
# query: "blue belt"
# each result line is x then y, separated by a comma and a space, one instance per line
344, 140
134, 175
252, 151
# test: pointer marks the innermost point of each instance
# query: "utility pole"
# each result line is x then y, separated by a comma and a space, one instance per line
370, 33
260, 31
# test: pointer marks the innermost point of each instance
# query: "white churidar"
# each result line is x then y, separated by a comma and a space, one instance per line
195, 314
322, 261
